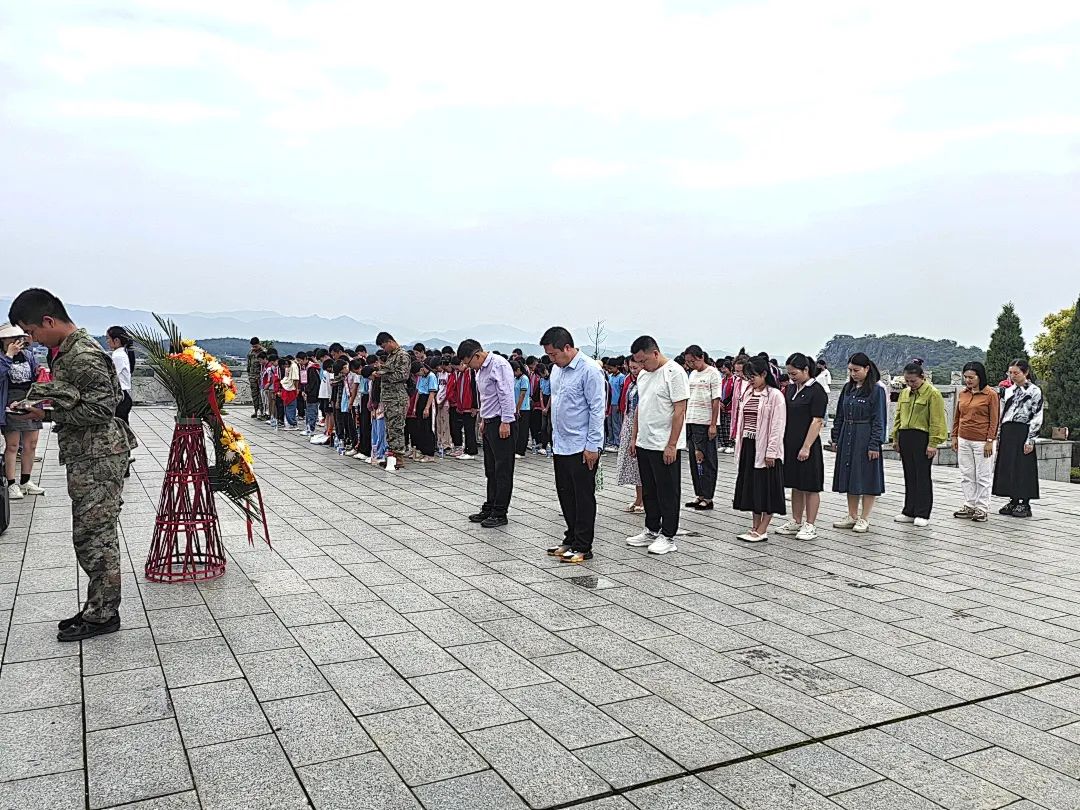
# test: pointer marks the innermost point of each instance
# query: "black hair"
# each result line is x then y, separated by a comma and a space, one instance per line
980, 372
328, 364
355, 364
558, 337
915, 367
301, 355
272, 355
1024, 366
336, 347
382, 354
367, 371
516, 366
517, 351
645, 343
419, 347
383, 338
680, 359
415, 367
436, 362
693, 350
120, 333
467, 348
33, 305
724, 364
530, 360
321, 354
340, 364
261, 356
760, 365
803, 362
873, 375
821, 362
740, 360
255, 341
361, 348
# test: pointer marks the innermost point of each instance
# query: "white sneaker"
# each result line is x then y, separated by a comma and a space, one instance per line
921, 523
862, 526
289, 427
902, 518
729, 451
847, 523
30, 488
807, 532
753, 537
746, 535
519, 455
465, 457
662, 545
305, 432
15, 492
542, 451
790, 529
361, 457
646, 538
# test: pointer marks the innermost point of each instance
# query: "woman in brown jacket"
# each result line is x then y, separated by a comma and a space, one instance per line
975, 427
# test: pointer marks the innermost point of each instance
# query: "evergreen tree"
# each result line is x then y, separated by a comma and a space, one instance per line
1063, 392
1006, 344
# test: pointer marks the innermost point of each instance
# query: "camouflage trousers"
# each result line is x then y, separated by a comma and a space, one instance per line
95, 486
256, 393
395, 424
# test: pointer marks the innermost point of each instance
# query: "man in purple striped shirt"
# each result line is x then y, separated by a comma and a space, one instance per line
495, 382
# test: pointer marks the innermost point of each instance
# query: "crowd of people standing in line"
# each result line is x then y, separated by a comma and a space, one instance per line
395, 406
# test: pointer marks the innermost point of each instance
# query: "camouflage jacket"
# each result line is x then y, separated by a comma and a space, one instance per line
395, 374
84, 393
253, 368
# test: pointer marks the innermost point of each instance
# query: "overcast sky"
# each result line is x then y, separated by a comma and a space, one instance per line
758, 173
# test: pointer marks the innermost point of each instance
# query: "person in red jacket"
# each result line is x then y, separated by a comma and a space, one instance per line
464, 400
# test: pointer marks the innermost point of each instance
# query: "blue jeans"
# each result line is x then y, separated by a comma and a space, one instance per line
290, 413
615, 422
311, 417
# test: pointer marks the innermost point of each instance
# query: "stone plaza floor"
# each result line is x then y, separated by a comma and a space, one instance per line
387, 654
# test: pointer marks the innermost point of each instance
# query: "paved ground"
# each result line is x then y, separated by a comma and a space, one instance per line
386, 654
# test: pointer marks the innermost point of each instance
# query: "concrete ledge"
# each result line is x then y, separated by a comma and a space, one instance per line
1055, 458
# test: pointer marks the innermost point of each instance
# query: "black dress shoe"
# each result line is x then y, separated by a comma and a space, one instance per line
693, 504
1007, 509
1022, 510
64, 624
703, 506
479, 517
493, 521
84, 629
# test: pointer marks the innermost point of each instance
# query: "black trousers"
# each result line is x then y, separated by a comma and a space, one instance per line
521, 439
498, 466
661, 491
345, 425
365, 426
698, 441
463, 426
423, 436
301, 407
123, 408
536, 425
918, 486
575, 485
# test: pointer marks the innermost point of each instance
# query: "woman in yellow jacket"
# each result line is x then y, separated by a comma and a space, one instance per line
918, 429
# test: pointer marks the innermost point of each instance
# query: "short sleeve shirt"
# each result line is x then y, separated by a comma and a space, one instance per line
658, 392
704, 388
521, 384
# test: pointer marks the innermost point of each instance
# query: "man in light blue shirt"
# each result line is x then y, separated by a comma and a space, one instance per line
578, 405
616, 380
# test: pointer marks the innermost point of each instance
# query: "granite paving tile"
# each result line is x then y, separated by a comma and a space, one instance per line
315, 728
364, 782
757, 785
1019, 738
824, 769
374, 619
694, 657
58, 791
413, 654
332, 643
448, 628
218, 712
465, 701
127, 649
623, 763
689, 742
370, 685
136, 762
688, 793
609, 647
499, 665
122, 698
477, 791
421, 746
756, 731
594, 681
526, 637
278, 674
1036, 782
564, 715
540, 770
248, 774
40, 742
695, 696
182, 624
39, 684
186, 663
887, 796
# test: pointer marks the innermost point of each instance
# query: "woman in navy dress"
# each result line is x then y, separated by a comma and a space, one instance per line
857, 434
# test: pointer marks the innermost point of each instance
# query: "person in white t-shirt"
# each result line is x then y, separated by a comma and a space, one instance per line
663, 391
702, 416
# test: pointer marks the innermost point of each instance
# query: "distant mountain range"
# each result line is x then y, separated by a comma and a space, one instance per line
305, 332
893, 352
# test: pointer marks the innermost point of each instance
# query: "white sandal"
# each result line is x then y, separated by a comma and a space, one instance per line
633, 508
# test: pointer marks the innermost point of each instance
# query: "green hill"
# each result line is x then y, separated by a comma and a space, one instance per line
893, 352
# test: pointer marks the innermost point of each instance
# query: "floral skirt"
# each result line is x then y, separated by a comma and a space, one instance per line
626, 466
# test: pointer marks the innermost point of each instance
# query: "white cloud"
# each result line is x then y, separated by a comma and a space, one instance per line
169, 112
583, 168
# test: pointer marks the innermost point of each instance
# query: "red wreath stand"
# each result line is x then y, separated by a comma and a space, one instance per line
187, 543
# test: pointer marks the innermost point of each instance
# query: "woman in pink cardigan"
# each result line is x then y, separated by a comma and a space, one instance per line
759, 450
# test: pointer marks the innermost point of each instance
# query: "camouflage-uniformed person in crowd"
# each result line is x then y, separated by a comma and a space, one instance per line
94, 446
254, 372
394, 394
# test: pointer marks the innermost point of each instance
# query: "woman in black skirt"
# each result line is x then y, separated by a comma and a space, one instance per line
804, 461
759, 450
1016, 476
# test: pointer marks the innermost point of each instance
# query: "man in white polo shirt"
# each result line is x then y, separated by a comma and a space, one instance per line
658, 438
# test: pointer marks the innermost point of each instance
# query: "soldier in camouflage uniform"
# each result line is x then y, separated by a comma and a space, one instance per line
394, 394
254, 372
94, 446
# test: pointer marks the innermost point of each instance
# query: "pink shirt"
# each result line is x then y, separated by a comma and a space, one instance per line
771, 421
